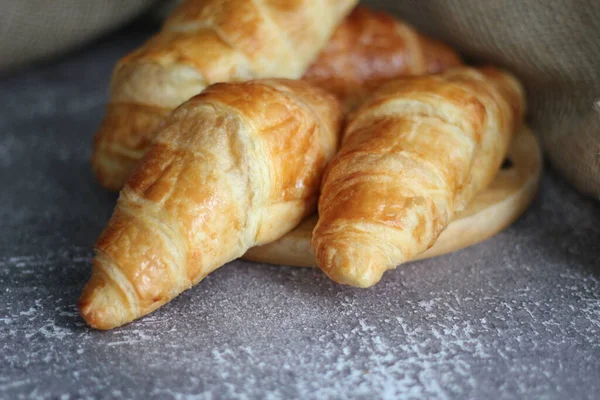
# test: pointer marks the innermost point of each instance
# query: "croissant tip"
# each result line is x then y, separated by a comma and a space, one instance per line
95, 318
110, 169
350, 266
100, 305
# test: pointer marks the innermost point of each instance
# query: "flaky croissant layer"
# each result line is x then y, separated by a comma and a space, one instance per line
236, 166
412, 156
205, 42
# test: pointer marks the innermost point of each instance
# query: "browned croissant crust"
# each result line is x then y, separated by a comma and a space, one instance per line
204, 42
371, 48
412, 156
236, 166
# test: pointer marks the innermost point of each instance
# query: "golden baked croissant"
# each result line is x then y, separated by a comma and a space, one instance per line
412, 156
204, 42
371, 48
236, 166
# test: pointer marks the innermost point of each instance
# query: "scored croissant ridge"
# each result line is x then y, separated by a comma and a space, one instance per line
202, 44
412, 156
237, 166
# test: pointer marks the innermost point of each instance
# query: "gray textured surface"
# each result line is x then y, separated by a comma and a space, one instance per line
515, 317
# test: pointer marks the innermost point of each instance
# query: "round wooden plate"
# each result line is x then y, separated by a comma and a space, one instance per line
490, 212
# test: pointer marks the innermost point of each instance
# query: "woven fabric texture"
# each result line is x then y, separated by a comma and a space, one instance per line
38, 29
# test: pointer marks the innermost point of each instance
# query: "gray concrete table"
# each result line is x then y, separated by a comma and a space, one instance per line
517, 316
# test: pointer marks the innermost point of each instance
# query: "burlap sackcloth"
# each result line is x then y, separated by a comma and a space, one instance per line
38, 29
552, 45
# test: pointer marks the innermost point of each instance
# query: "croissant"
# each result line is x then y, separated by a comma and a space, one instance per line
237, 166
412, 156
371, 48
204, 42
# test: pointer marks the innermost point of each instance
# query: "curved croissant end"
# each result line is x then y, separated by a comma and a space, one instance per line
412, 156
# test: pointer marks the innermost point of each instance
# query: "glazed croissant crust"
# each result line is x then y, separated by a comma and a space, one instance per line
412, 156
201, 44
204, 42
236, 166
371, 48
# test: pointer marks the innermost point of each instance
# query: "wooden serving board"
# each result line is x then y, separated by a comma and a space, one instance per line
491, 211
